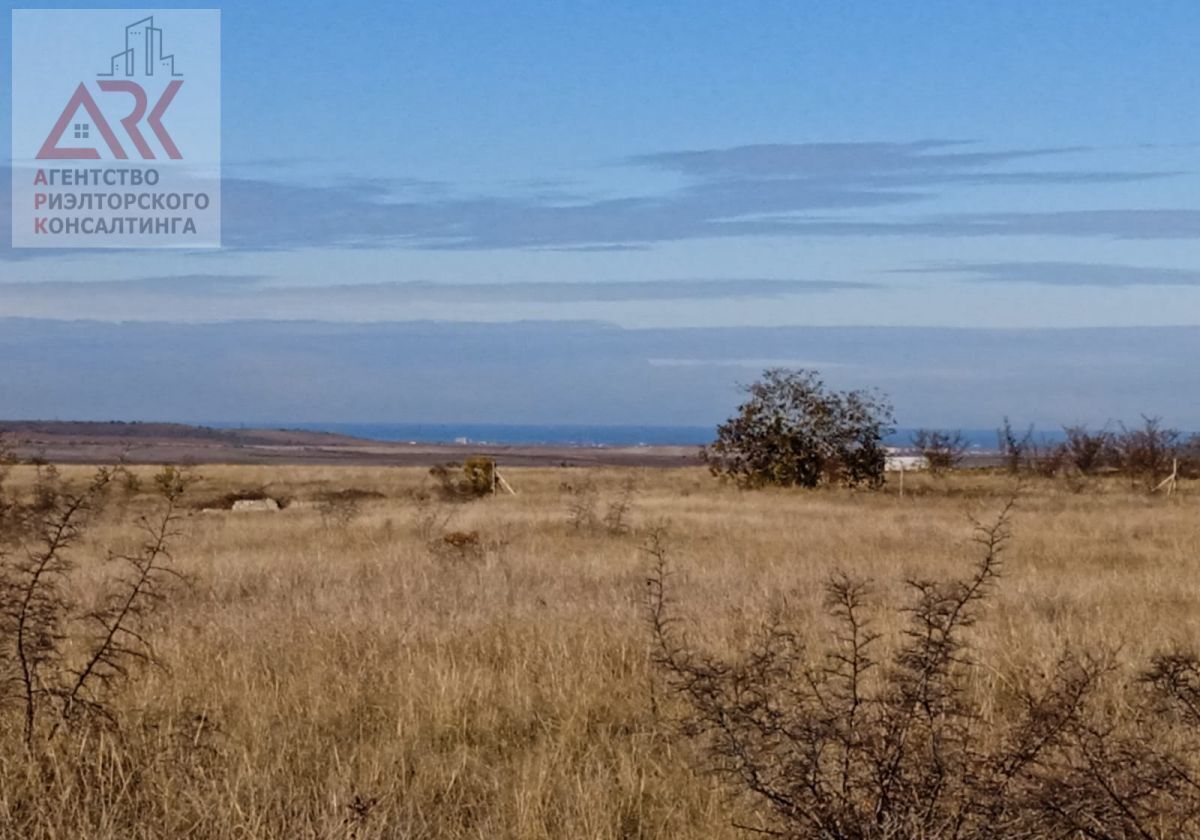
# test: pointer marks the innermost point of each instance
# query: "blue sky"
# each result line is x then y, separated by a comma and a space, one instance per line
963, 174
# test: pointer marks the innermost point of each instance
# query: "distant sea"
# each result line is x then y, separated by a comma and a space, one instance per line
518, 435
514, 435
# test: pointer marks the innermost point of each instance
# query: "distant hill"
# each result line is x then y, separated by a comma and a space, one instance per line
30, 432
83, 442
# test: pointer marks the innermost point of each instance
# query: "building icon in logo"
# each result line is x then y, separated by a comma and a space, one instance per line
143, 53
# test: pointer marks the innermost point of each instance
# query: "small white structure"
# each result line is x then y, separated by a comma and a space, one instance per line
906, 463
254, 505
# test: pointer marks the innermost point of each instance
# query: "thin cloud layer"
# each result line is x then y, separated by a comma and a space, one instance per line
833, 160
1046, 273
761, 190
757, 190
1106, 224
220, 297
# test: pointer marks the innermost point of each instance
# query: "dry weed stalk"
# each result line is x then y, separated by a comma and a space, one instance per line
846, 747
59, 662
584, 502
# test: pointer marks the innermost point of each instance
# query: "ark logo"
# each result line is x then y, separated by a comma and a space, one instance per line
143, 52
116, 128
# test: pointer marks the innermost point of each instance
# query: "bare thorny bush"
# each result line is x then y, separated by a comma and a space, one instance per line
942, 451
62, 660
1145, 453
851, 745
588, 510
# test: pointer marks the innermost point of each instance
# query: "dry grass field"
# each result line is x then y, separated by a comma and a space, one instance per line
350, 673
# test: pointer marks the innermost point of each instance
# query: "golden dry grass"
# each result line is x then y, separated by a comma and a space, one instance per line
331, 680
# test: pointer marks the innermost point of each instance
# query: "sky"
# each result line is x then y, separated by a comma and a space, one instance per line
615, 212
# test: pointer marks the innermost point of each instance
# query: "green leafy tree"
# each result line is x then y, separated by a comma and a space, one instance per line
793, 432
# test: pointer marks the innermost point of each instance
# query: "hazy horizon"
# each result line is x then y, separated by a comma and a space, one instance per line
553, 373
603, 214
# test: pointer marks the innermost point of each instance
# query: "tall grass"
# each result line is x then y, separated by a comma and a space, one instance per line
330, 679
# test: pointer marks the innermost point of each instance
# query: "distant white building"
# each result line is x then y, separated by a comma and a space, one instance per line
899, 462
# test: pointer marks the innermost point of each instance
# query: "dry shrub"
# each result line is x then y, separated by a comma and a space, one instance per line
1145, 454
61, 660
849, 745
1189, 458
582, 499
616, 514
941, 450
473, 479
1048, 461
1089, 452
1014, 448
589, 510
1146, 451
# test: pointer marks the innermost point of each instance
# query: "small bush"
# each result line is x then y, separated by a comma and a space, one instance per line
620, 506
582, 499
848, 745
1146, 452
1089, 452
473, 479
1189, 458
584, 503
1049, 461
60, 663
1015, 449
942, 451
